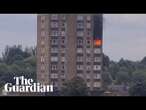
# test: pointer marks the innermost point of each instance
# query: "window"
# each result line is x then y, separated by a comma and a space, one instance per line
62, 50
97, 59
63, 25
79, 67
54, 59
88, 51
80, 75
62, 76
62, 33
97, 84
42, 59
80, 33
63, 68
80, 18
63, 59
79, 42
80, 25
55, 84
79, 58
88, 25
63, 41
88, 59
54, 17
54, 50
79, 50
53, 67
97, 50
54, 33
97, 67
89, 33
97, 76
43, 33
54, 75
88, 18
42, 18
88, 67
54, 41
54, 25
63, 17
42, 22
88, 42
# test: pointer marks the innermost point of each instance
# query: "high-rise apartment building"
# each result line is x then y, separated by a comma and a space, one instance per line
69, 45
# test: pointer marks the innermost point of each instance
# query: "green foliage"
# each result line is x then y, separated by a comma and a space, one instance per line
3, 68
143, 61
123, 77
113, 69
14, 53
31, 60
75, 87
17, 62
106, 61
138, 87
139, 75
126, 72
107, 80
106, 77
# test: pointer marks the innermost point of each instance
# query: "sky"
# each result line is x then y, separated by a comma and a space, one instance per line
124, 35
17, 29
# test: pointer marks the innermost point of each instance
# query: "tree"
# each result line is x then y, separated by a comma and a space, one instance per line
3, 68
31, 51
123, 77
106, 61
138, 86
139, 75
143, 61
106, 75
14, 53
74, 87
17, 62
138, 89
6, 74
31, 60
106, 78
113, 69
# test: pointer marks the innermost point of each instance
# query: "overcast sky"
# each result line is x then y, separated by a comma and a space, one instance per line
17, 29
124, 34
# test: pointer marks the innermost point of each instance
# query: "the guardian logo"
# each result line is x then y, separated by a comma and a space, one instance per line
26, 85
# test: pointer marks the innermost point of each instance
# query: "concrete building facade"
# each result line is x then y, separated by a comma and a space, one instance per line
69, 45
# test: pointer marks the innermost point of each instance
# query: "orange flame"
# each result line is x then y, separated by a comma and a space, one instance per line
98, 42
